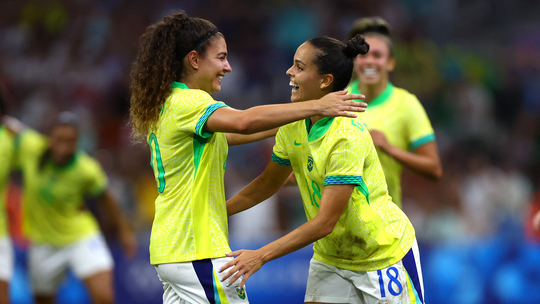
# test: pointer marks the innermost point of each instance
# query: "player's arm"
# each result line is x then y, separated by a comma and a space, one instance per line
260, 189
268, 117
333, 201
234, 139
424, 161
13, 124
125, 233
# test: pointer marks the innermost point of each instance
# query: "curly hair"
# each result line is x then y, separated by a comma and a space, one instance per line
160, 62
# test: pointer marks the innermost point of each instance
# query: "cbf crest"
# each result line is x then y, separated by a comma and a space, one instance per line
310, 163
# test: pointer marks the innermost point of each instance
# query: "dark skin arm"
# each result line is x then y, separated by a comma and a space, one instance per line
125, 234
247, 262
425, 161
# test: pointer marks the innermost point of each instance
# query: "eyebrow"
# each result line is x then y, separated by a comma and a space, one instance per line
298, 61
222, 53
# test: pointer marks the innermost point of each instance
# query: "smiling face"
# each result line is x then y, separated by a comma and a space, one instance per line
306, 81
63, 143
213, 66
373, 68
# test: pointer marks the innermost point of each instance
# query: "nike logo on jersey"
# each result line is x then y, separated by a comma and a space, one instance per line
296, 144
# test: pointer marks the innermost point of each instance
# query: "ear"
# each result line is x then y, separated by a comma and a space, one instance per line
326, 81
391, 64
193, 59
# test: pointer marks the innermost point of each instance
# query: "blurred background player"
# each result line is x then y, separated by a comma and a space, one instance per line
6, 249
365, 249
396, 120
182, 60
57, 178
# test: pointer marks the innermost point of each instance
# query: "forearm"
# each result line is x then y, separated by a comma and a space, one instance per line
234, 139
423, 165
256, 192
267, 117
114, 212
295, 240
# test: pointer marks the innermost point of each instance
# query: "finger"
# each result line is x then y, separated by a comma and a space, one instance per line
229, 274
355, 96
347, 114
227, 265
234, 279
244, 280
234, 253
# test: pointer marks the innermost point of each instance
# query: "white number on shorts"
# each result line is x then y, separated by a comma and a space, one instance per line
393, 279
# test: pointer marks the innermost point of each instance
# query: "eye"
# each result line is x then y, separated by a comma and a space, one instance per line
299, 67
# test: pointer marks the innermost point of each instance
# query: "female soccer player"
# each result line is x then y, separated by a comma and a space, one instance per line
182, 61
64, 234
396, 120
6, 250
364, 245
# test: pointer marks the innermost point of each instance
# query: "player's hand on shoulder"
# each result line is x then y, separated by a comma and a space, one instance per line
340, 104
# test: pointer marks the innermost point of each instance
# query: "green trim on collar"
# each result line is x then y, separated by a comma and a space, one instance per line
179, 85
380, 99
70, 164
319, 128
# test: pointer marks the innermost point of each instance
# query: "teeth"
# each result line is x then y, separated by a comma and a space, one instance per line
220, 77
370, 71
292, 84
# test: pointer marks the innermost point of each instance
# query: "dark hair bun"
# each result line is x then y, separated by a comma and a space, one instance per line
357, 45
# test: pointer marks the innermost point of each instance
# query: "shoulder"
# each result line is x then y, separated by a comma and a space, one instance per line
88, 163
31, 140
405, 98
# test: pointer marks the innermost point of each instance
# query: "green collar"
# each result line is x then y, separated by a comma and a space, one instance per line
380, 99
319, 128
179, 85
70, 164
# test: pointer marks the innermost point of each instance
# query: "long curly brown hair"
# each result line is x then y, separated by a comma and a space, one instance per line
160, 62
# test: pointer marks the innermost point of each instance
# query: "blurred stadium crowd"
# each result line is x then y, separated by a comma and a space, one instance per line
474, 65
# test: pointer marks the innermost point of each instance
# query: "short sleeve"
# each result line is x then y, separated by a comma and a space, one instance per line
346, 158
28, 144
96, 179
419, 127
192, 109
279, 152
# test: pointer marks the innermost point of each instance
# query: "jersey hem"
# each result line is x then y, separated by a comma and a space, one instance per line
196, 258
422, 141
343, 180
280, 161
358, 265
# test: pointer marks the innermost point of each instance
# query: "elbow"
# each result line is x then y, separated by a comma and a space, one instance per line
436, 174
326, 228
244, 124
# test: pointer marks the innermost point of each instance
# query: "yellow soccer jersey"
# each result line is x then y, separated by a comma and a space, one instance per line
400, 116
53, 197
190, 220
6, 156
372, 232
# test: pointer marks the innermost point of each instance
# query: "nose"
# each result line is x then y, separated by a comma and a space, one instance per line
228, 67
289, 72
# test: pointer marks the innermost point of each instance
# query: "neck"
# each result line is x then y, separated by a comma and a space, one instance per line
372, 90
314, 119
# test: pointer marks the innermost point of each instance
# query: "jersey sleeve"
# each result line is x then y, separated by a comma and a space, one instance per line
28, 144
419, 127
193, 112
96, 179
279, 152
346, 158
